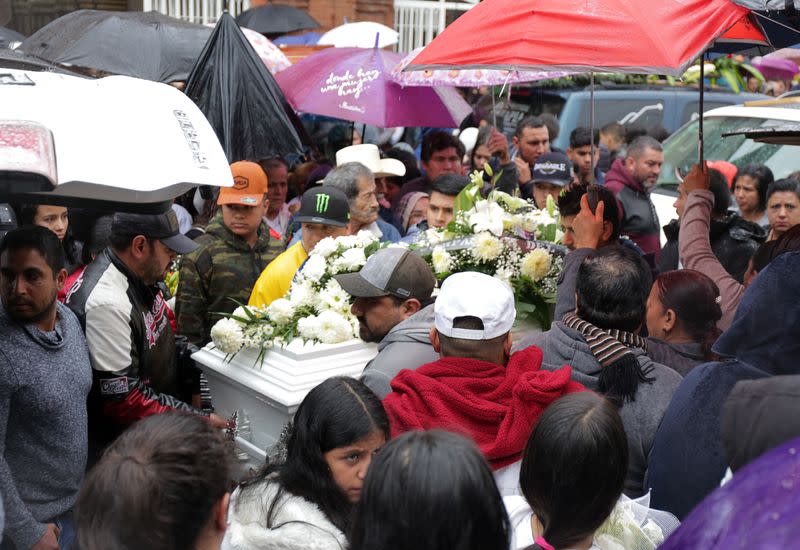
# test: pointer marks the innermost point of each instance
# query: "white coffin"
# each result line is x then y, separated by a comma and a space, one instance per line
269, 391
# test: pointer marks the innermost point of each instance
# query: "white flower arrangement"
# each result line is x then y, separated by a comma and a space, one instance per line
503, 236
316, 308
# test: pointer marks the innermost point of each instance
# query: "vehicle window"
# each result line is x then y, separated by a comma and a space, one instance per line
511, 113
645, 112
680, 150
691, 111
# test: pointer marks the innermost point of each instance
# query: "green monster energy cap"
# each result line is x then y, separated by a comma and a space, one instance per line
326, 205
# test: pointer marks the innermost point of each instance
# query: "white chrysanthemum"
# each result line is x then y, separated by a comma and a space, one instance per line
365, 238
351, 259
325, 247
302, 294
486, 247
442, 260
487, 216
281, 311
308, 327
227, 335
239, 312
435, 236
314, 268
348, 241
504, 274
335, 297
398, 244
332, 328
536, 264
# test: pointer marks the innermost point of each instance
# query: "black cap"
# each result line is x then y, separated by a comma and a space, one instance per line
554, 168
163, 227
326, 205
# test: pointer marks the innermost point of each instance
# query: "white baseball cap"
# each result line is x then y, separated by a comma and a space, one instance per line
472, 294
369, 155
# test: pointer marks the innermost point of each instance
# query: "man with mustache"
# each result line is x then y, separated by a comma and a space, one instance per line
631, 180
394, 309
45, 378
357, 182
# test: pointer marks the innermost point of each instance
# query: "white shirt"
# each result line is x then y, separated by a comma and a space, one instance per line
280, 222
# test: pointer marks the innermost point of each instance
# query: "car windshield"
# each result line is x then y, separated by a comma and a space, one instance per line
680, 150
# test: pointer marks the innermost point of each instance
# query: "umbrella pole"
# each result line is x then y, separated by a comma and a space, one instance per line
494, 109
702, 98
591, 123
352, 131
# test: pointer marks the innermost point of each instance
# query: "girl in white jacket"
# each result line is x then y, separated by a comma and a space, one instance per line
306, 502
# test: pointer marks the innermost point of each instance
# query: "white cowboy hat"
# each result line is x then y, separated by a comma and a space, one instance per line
368, 155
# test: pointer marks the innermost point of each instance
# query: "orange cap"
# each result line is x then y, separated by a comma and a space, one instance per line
249, 185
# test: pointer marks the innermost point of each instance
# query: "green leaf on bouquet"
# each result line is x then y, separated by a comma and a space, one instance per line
468, 196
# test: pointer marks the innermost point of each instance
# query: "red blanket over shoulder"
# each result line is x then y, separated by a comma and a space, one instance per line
495, 406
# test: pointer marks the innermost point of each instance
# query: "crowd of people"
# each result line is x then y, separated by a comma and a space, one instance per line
457, 435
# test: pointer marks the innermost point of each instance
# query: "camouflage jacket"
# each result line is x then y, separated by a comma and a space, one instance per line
223, 267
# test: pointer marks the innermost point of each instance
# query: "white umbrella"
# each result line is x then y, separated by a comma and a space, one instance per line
102, 142
359, 35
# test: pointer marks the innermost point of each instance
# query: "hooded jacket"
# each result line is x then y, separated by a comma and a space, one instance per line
760, 415
223, 269
688, 458
298, 524
406, 346
733, 241
562, 345
637, 212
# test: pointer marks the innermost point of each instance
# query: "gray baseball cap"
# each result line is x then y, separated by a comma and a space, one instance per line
390, 271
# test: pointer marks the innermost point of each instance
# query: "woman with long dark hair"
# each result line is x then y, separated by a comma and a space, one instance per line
56, 219
307, 501
430, 491
572, 474
683, 310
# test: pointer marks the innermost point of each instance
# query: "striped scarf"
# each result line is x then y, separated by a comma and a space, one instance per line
620, 373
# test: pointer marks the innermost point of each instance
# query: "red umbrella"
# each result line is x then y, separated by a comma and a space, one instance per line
645, 36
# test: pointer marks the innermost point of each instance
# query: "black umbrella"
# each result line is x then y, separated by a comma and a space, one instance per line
146, 45
241, 99
276, 19
7, 36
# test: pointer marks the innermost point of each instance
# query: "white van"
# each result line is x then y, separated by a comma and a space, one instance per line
680, 149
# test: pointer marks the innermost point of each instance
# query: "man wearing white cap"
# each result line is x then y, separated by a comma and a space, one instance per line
477, 387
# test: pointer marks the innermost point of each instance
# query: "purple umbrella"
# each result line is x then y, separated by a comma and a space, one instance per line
776, 69
758, 509
355, 84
